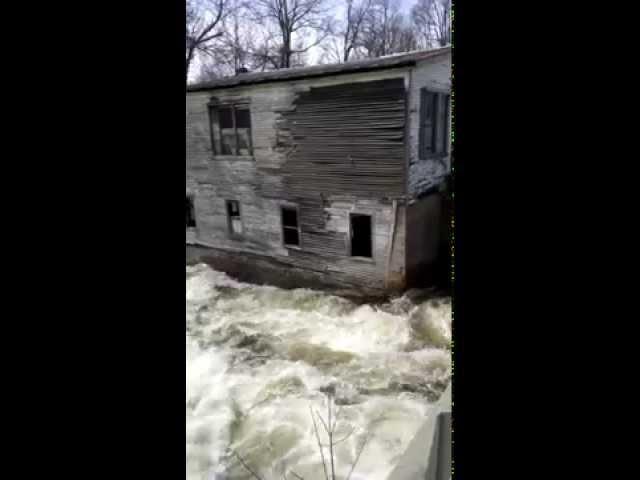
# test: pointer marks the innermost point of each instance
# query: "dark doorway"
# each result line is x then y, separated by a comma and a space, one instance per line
361, 236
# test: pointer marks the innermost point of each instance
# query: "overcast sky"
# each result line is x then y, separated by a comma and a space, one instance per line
315, 52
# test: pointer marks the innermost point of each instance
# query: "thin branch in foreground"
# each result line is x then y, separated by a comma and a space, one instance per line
336, 442
355, 462
315, 428
244, 464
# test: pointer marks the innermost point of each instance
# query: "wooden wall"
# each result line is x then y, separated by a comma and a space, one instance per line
332, 146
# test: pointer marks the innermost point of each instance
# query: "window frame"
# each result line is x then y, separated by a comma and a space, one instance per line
232, 234
439, 124
446, 140
296, 209
213, 108
370, 259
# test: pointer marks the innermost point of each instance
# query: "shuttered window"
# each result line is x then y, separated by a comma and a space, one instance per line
434, 124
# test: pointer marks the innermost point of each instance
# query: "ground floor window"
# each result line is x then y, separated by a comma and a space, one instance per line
361, 241
234, 221
191, 217
290, 226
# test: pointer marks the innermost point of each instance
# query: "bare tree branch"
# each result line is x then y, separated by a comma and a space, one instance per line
432, 19
244, 464
295, 20
199, 31
315, 428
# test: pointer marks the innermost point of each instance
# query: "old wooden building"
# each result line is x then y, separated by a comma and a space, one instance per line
329, 175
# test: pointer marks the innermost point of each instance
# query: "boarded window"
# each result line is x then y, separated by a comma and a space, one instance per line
191, 217
434, 124
234, 221
231, 129
361, 240
290, 226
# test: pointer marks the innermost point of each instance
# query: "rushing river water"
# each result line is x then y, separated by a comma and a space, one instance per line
259, 357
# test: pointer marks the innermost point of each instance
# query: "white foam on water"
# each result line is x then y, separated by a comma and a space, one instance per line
258, 357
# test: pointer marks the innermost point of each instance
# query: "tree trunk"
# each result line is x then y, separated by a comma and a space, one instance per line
285, 61
190, 53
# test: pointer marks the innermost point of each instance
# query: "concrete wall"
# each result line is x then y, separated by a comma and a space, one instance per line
424, 220
428, 456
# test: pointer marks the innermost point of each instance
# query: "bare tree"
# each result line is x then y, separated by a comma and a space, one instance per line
295, 20
344, 43
432, 19
232, 50
204, 17
355, 15
385, 30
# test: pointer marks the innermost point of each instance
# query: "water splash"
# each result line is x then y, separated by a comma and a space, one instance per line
258, 357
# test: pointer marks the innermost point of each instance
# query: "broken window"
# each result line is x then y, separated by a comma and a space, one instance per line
230, 129
361, 240
434, 124
290, 226
233, 217
191, 217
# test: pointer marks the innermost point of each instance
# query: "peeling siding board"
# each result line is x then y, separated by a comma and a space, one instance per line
348, 140
344, 144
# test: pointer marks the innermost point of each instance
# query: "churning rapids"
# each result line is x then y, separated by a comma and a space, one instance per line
258, 357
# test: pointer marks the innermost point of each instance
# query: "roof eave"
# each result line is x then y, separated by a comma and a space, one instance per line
197, 88
233, 82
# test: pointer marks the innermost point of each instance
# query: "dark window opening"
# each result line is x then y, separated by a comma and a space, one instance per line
434, 124
225, 117
234, 222
243, 118
290, 226
191, 218
230, 129
361, 236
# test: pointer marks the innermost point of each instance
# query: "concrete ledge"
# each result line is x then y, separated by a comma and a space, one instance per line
428, 456
264, 270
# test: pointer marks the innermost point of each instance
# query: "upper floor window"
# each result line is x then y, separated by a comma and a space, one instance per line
230, 129
434, 124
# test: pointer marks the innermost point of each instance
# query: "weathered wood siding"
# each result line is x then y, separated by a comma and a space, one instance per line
434, 74
332, 146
